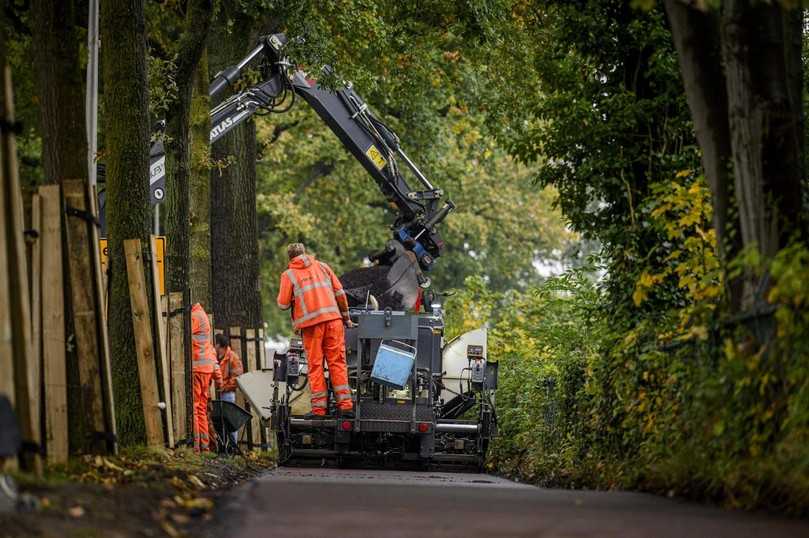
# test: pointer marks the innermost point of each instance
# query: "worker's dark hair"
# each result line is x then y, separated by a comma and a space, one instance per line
295, 249
222, 340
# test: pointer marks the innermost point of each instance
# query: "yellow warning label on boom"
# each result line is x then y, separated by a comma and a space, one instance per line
376, 157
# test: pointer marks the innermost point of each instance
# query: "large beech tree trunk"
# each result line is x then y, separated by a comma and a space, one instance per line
696, 38
746, 104
58, 61
234, 230
178, 156
761, 51
126, 144
60, 87
200, 241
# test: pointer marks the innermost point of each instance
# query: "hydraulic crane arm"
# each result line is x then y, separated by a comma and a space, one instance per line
366, 137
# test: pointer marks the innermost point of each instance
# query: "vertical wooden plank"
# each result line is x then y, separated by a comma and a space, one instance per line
34, 274
261, 364
18, 277
100, 294
163, 320
161, 345
250, 366
85, 316
142, 327
262, 351
235, 334
177, 356
212, 386
53, 325
6, 341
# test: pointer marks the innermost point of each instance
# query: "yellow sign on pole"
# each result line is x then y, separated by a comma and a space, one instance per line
160, 241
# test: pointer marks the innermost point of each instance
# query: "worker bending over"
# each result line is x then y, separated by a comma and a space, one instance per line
205, 369
231, 366
319, 310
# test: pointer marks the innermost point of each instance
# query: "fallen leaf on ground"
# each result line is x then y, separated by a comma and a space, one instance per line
75, 511
169, 529
197, 503
194, 479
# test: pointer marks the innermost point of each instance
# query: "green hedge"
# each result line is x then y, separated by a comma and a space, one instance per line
706, 409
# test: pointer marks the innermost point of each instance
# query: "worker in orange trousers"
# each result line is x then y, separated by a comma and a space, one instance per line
205, 369
319, 310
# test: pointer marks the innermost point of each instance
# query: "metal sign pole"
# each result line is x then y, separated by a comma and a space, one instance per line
92, 91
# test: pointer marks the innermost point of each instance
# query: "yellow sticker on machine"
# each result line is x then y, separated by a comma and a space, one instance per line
376, 157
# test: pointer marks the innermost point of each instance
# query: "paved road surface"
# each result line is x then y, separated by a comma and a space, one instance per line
333, 503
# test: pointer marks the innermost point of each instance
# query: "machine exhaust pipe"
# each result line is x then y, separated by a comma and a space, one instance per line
449, 427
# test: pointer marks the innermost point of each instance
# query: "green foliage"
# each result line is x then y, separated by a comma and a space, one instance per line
670, 402
312, 190
605, 117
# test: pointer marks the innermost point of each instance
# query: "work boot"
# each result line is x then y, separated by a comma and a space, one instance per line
345, 413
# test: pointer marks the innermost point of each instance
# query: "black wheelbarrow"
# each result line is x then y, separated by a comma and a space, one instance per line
228, 418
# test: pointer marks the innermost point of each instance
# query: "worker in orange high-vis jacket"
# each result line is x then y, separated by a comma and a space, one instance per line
231, 366
205, 369
319, 310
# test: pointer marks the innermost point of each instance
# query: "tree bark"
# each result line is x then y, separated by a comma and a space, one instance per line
126, 140
761, 53
60, 86
57, 43
696, 38
234, 228
192, 43
200, 242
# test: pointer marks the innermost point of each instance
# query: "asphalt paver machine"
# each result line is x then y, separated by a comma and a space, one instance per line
417, 398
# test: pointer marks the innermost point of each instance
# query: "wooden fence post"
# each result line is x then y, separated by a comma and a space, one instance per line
100, 290
53, 325
262, 351
235, 335
35, 298
250, 362
85, 316
6, 337
261, 364
161, 347
34, 245
142, 327
18, 290
177, 354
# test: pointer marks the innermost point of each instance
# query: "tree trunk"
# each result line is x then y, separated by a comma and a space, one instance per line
234, 245
126, 141
200, 243
178, 218
696, 38
60, 86
761, 52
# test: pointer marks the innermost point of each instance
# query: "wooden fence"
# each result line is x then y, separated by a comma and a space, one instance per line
55, 305
54, 348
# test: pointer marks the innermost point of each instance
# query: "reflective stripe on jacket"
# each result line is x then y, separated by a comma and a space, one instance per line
232, 368
313, 292
202, 351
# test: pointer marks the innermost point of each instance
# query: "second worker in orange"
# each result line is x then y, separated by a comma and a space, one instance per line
319, 310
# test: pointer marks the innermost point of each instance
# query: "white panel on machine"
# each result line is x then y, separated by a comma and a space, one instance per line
257, 388
455, 359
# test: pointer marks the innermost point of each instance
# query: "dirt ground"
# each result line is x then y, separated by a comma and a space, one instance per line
138, 494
